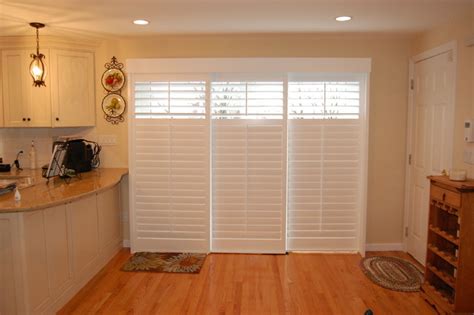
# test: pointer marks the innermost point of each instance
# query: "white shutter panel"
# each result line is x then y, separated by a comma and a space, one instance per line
248, 164
324, 136
170, 168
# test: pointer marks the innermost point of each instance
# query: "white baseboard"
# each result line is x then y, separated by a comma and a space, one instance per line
384, 247
126, 243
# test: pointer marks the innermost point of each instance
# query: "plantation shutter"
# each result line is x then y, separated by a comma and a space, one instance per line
325, 121
170, 166
248, 167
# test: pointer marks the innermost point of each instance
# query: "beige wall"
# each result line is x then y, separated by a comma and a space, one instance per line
458, 30
388, 100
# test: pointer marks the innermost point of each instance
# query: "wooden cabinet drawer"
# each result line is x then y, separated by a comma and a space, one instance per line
447, 196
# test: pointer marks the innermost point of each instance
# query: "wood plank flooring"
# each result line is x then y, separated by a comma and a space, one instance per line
246, 284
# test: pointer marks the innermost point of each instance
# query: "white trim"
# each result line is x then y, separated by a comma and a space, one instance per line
249, 65
364, 167
450, 46
436, 51
351, 252
131, 164
126, 243
384, 247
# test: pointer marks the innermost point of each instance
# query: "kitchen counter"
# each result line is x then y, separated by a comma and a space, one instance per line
44, 195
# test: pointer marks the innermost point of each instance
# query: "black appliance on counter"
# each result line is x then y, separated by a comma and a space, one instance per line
72, 156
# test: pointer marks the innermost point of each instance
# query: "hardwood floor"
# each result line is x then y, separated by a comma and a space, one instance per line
245, 284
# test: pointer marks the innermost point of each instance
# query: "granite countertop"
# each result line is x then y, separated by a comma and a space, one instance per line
43, 194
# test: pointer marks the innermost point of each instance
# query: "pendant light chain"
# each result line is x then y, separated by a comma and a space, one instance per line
37, 42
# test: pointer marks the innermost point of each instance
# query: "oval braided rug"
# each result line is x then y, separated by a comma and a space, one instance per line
392, 273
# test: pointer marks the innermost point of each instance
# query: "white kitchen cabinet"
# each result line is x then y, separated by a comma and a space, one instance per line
8, 287
68, 98
35, 261
73, 94
58, 244
85, 234
109, 219
24, 105
48, 255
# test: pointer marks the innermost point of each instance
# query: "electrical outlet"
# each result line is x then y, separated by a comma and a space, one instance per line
105, 140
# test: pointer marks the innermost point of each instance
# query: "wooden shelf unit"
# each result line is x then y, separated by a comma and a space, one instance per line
449, 271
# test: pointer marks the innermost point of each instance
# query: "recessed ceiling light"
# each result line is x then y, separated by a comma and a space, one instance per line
141, 22
343, 18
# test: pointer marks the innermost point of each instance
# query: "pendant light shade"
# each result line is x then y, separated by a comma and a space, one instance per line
37, 69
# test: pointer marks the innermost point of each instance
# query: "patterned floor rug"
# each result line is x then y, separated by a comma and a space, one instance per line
392, 273
165, 262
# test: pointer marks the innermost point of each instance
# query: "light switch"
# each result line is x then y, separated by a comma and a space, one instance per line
469, 155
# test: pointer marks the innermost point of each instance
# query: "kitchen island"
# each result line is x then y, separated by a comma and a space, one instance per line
56, 238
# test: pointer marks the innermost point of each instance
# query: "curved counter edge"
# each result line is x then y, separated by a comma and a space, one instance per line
45, 194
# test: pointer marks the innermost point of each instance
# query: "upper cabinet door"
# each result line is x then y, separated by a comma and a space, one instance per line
73, 88
14, 88
39, 111
24, 104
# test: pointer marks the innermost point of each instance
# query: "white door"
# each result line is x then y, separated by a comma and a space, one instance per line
431, 138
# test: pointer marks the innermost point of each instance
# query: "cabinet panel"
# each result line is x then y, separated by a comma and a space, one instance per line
73, 90
24, 104
35, 260
14, 88
108, 207
57, 243
83, 219
7, 280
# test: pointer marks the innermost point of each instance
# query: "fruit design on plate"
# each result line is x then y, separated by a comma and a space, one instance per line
114, 80
114, 106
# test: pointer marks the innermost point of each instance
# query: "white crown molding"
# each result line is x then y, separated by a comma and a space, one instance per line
27, 42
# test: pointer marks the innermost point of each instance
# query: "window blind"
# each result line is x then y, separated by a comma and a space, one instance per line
170, 99
247, 100
323, 100
248, 167
324, 157
281, 155
170, 160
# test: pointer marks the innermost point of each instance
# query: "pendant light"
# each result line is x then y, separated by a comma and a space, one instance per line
37, 70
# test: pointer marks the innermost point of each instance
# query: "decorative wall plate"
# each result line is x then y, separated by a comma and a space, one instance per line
113, 80
113, 106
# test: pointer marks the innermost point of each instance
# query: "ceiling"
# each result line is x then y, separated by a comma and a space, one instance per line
104, 18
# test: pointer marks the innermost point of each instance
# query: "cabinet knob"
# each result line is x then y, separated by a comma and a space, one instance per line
24, 119
57, 118
29, 119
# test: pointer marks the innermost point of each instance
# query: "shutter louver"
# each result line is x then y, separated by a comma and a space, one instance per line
247, 100
171, 178
170, 100
324, 168
323, 100
248, 168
